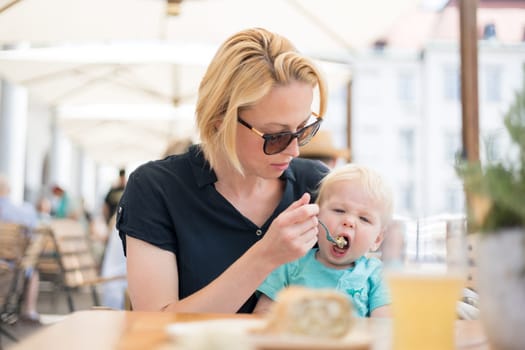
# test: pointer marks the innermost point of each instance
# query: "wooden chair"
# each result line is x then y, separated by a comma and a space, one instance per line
77, 266
14, 240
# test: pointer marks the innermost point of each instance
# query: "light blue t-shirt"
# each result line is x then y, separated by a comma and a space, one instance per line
24, 214
362, 283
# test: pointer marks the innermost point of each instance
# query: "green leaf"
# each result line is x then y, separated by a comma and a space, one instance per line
501, 182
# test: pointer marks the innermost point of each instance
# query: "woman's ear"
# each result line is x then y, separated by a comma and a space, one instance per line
217, 124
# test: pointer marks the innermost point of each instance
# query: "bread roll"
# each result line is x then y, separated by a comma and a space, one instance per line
322, 313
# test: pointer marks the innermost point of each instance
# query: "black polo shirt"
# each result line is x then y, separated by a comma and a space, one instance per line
172, 204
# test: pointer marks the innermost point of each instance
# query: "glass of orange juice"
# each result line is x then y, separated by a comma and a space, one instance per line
425, 268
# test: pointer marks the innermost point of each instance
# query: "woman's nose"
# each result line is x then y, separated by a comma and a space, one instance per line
293, 148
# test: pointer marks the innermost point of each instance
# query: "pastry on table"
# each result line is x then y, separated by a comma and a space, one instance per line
298, 310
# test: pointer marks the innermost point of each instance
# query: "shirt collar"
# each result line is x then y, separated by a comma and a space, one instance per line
200, 167
204, 175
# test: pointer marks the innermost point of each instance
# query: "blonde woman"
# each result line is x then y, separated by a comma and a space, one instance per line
203, 229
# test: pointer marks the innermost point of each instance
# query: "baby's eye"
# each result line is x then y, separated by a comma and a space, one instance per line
364, 218
340, 211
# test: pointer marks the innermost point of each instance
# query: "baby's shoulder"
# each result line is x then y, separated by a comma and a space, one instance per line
369, 263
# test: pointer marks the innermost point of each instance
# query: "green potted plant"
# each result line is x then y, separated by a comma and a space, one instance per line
496, 212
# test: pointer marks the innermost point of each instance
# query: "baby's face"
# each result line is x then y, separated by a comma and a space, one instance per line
348, 212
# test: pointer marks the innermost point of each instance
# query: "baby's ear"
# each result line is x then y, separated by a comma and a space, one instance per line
379, 239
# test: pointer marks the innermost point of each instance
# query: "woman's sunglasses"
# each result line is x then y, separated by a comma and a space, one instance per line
276, 143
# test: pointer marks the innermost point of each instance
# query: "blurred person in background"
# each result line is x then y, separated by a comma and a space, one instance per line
113, 264
202, 230
61, 205
113, 196
25, 215
43, 208
322, 148
177, 146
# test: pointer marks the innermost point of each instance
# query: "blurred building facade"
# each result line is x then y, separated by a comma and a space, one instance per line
406, 103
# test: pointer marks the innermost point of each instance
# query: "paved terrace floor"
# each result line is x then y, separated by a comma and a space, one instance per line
52, 307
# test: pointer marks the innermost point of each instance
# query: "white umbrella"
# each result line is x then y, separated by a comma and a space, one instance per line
135, 87
53, 21
121, 102
136, 73
167, 70
327, 28
120, 134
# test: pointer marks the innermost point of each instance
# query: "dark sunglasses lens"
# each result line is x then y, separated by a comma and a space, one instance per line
277, 143
307, 133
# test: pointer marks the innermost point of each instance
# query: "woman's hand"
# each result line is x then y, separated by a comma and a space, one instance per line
292, 233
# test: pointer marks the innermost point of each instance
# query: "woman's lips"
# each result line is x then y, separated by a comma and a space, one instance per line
281, 166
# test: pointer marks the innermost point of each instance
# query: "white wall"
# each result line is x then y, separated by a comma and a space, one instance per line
379, 116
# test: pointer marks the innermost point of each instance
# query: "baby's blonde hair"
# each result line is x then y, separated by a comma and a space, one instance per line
373, 184
244, 70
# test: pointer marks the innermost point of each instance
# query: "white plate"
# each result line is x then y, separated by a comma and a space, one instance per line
354, 340
228, 325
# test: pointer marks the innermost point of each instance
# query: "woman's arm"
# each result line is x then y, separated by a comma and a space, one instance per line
153, 277
153, 281
152, 274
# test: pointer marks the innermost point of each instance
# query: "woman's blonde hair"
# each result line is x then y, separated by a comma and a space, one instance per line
373, 184
243, 71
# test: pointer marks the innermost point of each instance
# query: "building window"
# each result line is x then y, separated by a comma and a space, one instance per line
405, 90
454, 200
368, 86
489, 31
452, 146
406, 141
493, 142
407, 198
451, 84
493, 84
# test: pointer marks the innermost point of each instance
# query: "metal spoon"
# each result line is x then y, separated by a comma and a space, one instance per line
341, 243
328, 235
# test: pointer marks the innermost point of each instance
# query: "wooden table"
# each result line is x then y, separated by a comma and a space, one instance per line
126, 330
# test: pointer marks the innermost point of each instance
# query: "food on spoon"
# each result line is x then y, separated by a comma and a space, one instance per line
302, 311
341, 242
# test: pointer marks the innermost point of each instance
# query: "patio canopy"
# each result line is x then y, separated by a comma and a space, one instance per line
95, 61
